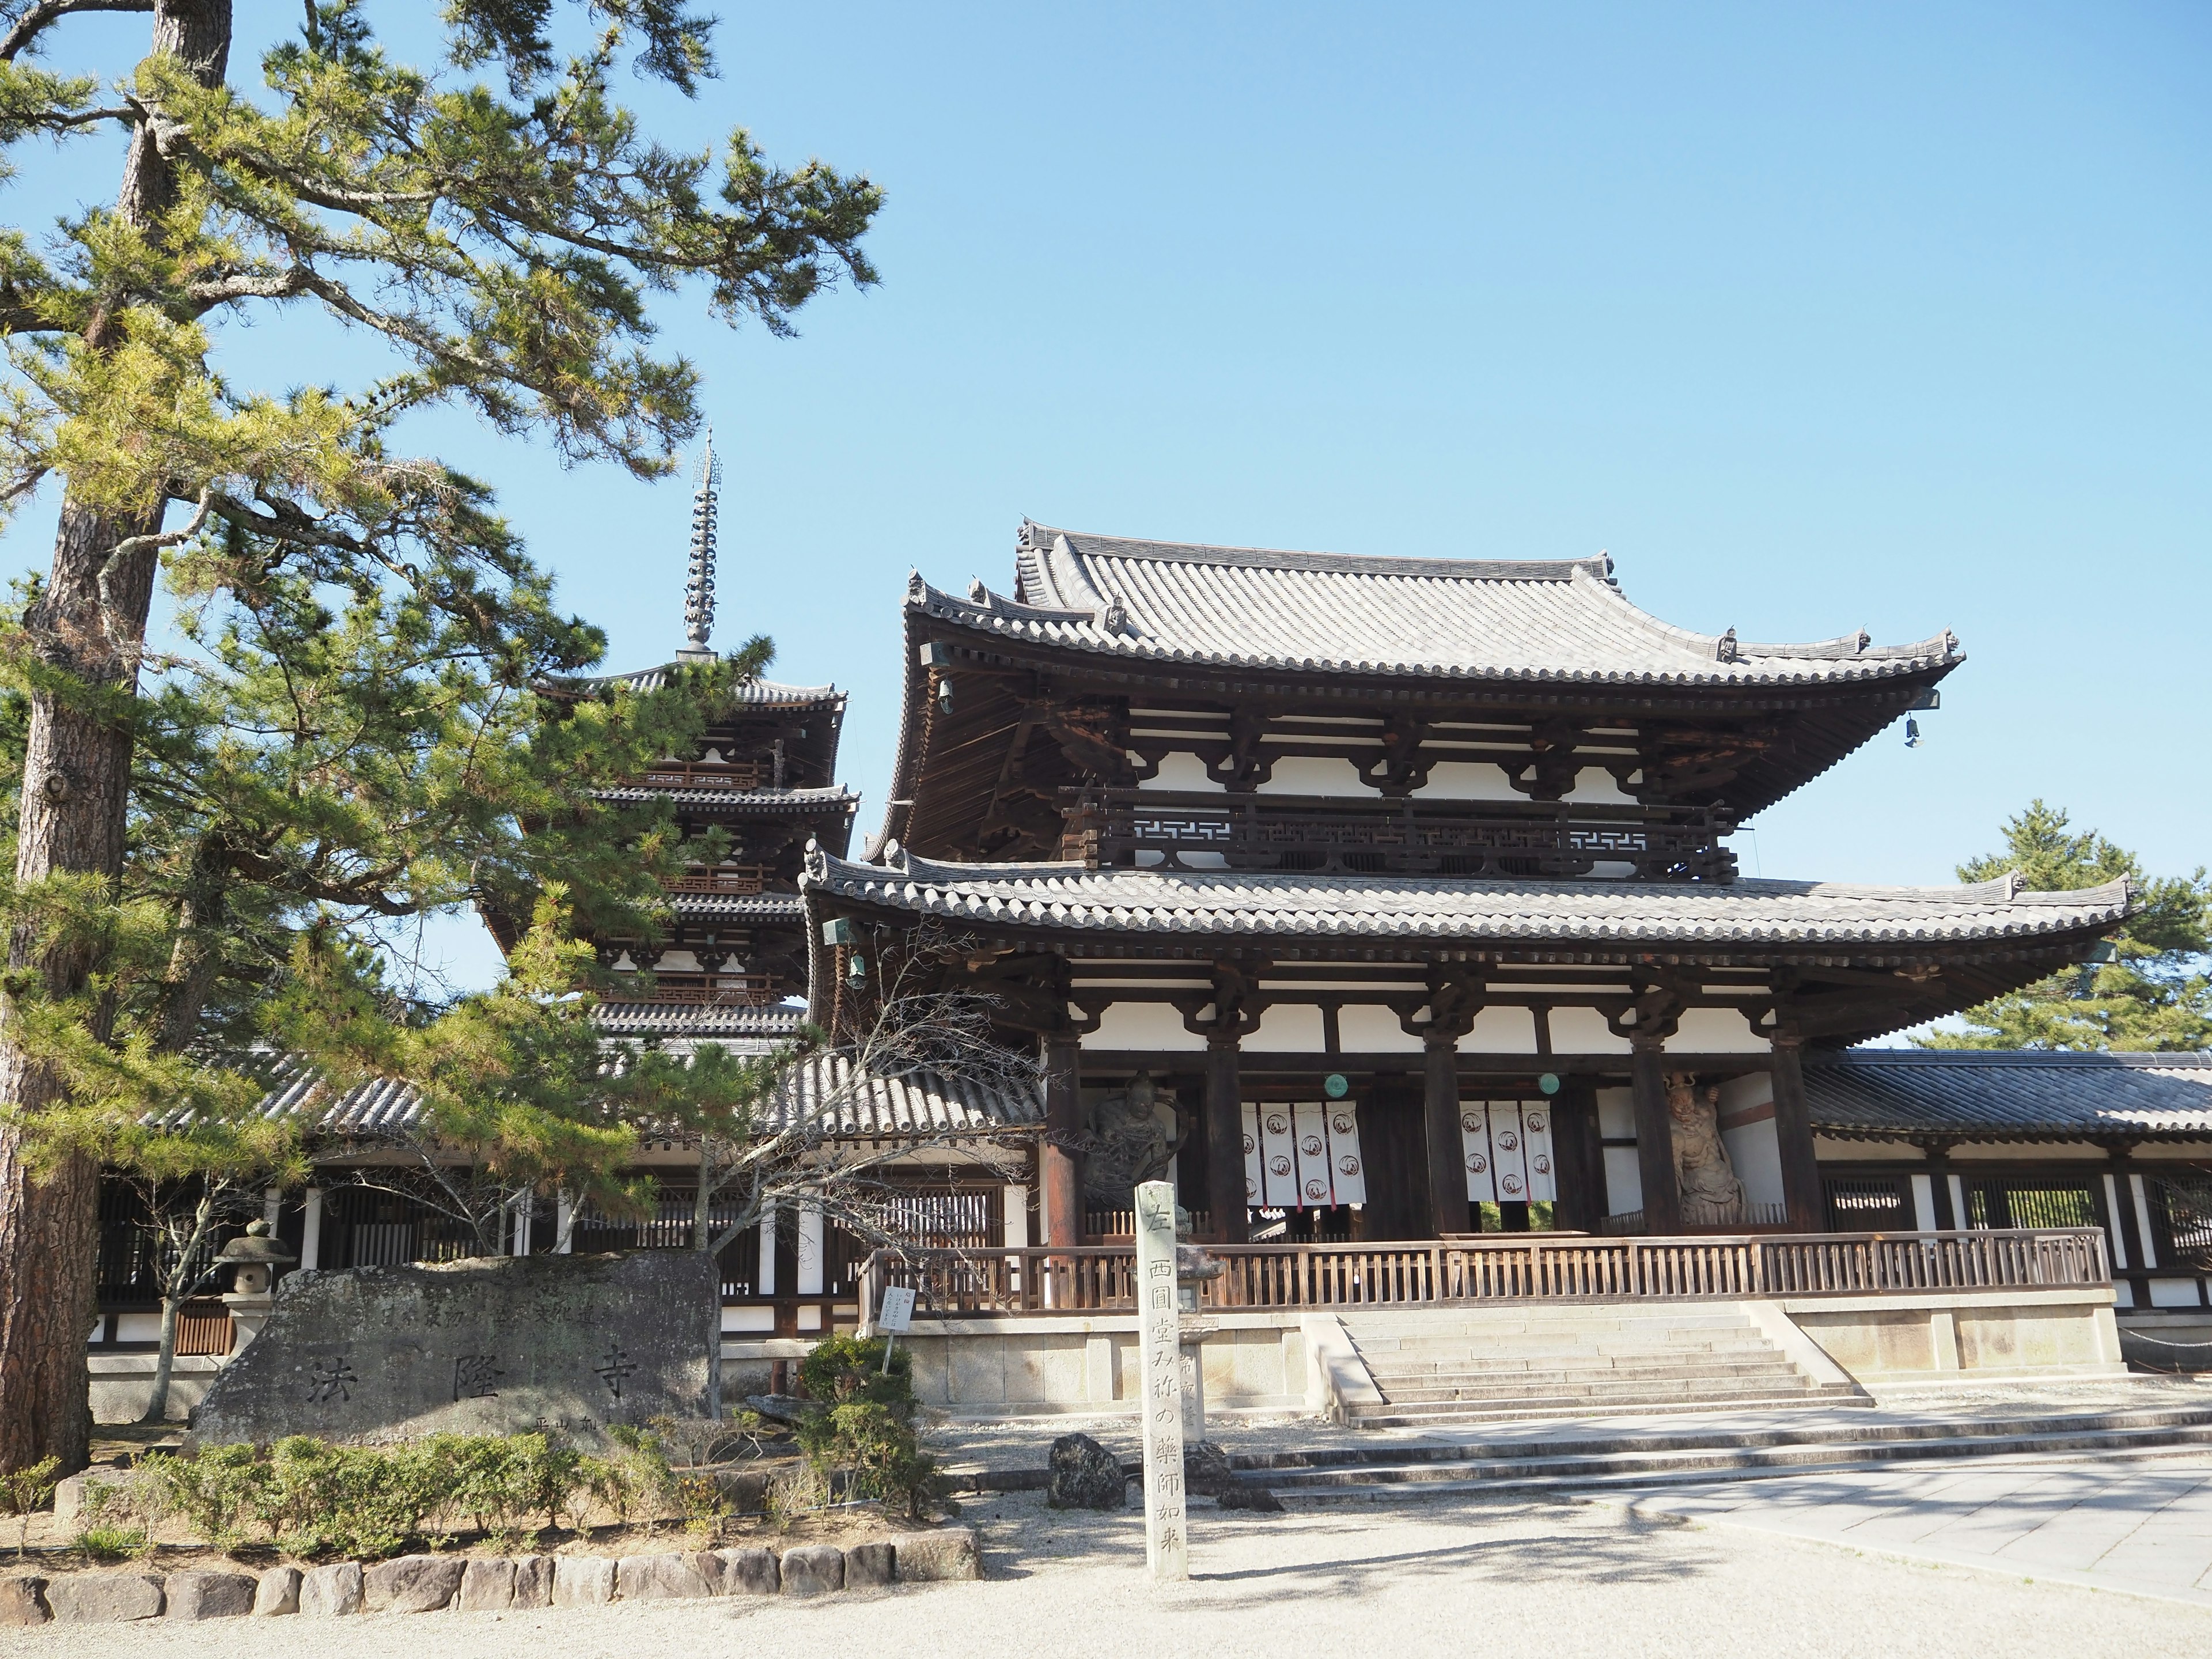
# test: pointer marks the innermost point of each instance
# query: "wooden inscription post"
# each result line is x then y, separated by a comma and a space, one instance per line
1167, 1538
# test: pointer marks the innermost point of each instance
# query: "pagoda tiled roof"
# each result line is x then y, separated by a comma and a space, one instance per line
1071, 899
1454, 619
2016, 1094
737, 907
753, 693
828, 797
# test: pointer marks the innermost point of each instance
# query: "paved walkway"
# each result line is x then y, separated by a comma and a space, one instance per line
2144, 1528
1498, 1579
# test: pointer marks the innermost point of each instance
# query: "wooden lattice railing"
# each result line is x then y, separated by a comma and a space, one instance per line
1527, 1267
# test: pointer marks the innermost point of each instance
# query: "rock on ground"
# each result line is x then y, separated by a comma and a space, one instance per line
487, 1584
870, 1566
413, 1584
326, 1592
23, 1601
198, 1595
105, 1598
814, 1569
946, 1553
749, 1572
1085, 1475
583, 1581
277, 1591
675, 1576
533, 1580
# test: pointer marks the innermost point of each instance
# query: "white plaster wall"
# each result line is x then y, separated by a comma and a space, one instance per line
1594, 783
1501, 1031
1756, 1155
1616, 1113
1715, 1031
1752, 1148
1583, 1031
1295, 1026
1467, 781
1181, 770
1314, 774
1365, 1030
1624, 1182
1143, 1026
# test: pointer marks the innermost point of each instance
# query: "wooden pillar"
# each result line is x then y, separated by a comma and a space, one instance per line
1578, 1150
1447, 1211
1059, 1174
1654, 1137
1225, 1142
1793, 1138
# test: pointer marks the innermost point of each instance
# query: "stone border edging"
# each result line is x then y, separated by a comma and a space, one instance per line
487, 1583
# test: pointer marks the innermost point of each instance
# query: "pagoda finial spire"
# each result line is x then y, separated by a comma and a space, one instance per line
699, 586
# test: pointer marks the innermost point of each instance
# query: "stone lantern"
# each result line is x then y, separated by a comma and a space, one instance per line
253, 1259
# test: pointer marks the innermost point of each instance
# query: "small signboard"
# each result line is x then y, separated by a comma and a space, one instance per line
898, 1315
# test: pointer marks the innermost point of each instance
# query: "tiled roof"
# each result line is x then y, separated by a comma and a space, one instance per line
759, 694
905, 1103
381, 1105
2011, 1094
736, 1023
737, 907
833, 797
1069, 898
1450, 618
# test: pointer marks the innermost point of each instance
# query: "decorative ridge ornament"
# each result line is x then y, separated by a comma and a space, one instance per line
699, 584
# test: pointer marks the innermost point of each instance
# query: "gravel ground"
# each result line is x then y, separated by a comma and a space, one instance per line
1499, 1577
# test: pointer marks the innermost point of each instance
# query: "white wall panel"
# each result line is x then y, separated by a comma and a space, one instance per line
1715, 1031
1143, 1026
1364, 1028
1501, 1031
1583, 1031
1288, 1028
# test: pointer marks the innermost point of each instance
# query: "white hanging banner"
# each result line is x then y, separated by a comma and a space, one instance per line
1278, 1164
1251, 1155
1537, 1128
1347, 1168
1309, 1130
1508, 1152
1474, 1144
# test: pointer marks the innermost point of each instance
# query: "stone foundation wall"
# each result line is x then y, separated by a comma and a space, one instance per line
1968, 1335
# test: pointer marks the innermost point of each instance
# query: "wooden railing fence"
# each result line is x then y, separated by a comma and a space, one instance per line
1527, 1267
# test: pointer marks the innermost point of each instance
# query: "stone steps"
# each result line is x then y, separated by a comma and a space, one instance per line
1651, 1456
1479, 1365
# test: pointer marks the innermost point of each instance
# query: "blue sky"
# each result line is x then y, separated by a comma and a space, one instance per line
1815, 318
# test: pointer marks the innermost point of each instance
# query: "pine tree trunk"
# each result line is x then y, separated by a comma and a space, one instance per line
88, 624
702, 1239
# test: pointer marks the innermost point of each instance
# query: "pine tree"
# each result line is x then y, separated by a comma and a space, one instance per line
499, 237
2153, 993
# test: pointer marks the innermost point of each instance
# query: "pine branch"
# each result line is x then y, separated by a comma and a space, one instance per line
35, 21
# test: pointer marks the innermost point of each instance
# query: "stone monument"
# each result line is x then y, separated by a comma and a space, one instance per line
493, 1344
1159, 1321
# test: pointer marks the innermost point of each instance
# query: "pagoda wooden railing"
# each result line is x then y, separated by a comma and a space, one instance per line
1113, 828
1527, 1267
739, 879
747, 991
709, 774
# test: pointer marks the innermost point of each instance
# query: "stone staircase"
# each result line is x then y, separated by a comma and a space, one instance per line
1436, 1366
1586, 1457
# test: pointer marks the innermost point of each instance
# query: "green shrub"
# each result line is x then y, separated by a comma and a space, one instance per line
219, 1491
842, 1369
25, 1492
112, 1544
877, 1450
